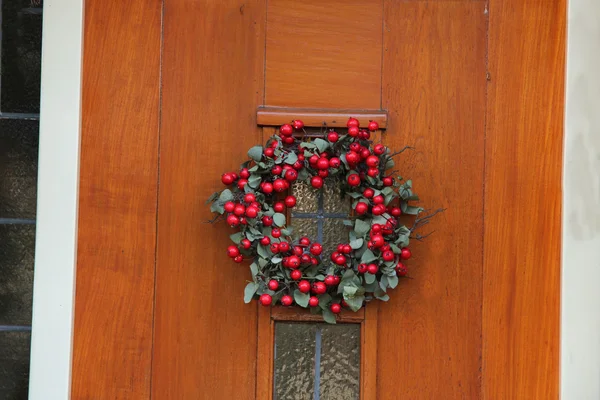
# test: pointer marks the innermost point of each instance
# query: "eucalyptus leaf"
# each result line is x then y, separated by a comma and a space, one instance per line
301, 298
254, 181
276, 260
254, 269
328, 316
249, 291
369, 278
263, 251
212, 197
357, 243
324, 300
217, 207
321, 144
255, 153
349, 291
236, 237
279, 219
361, 227
393, 281
225, 196
291, 158
368, 257
355, 303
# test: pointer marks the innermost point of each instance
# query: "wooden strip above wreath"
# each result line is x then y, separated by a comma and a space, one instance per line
332, 118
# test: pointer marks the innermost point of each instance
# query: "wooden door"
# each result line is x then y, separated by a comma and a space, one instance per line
475, 86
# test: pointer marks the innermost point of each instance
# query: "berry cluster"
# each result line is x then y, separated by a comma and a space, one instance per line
290, 270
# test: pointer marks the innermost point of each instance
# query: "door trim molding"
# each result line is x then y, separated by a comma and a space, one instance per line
57, 201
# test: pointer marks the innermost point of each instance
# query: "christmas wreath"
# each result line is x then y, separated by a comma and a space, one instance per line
289, 270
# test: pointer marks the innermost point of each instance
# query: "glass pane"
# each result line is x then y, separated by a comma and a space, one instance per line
334, 233
340, 362
308, 200
14, 365
17, 247
305, 227
18, 168
21, 56
294, 361
332, 200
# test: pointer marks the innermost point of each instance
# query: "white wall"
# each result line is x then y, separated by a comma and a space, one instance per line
580, 340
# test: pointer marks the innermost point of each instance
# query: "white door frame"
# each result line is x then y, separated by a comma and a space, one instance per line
58, 185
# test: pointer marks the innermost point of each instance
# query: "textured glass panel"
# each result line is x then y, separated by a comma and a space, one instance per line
17, 247
21, 56
14, 365
294, 361
307, 196
305, 227
18, 168
334, 233
332, 200
340, 362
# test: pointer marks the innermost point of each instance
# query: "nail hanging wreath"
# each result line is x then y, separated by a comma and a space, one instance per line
289, 270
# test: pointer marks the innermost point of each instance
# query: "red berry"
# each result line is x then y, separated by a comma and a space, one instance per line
388, 181
372, 269
329, 280
265, 241
267, 221
279, 207
227, 179
340, 260
364, 153
373, 126
352, 122
233, 251
314, 261
286, 130
312, 161
288, 140
316, 182
333, 137
304, 286
241, 183
378, 240
396, 211
298, 124
229, 206
273, 284
313, 301
353, 131
368, 193
372, 161
361, 208
379, 199
347, 249
249, 198
323, 163
376, 228
379, 149
290, 201
298, 250
298, 165
246, 244
276, 170
388, 256
238, 259
362, 268
284, 247
319, 288
251, 212
293, 262
355, 147
316, 249
287, 300
353, 180
275, 247
352, 157
239, 210
269, 152
334, 162
401, 269
265, 299
365, 135
291, 175
276, 233
378, 209
267, 187
232, 220
305, 259
323, 173
279, 185
405, 253
335, 308
296, 274
304, 241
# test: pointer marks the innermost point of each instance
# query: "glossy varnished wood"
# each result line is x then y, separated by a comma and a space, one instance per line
276, 116
117, 205
429, 342
280, 313
324, 54
523, 200
205, 336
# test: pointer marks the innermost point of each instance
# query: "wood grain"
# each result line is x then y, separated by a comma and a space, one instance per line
523, 200
213, 63
429, 342
324, 54
280, 313
117, 204
276, 116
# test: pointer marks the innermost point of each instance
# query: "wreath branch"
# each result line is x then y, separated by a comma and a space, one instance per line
402, 150
422, 221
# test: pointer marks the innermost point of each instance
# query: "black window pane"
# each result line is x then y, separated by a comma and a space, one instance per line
17, 247
14, 365
340, 362
294, 361
18, 168
21, 56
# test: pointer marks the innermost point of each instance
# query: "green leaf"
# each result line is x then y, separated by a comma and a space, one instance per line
307, 145
236, 237
254, 269
410, 210
369, 278
291, 158
328, 316
357, 244
212, 197
368, 257
321, 144
389, 164
350, 291
225, 195
383, 283
393, 281
217, 207
324, 300
255, 153
348, 222
381, 295
279, 219
303, 174
254, 181
355, 303
249, 291
361, 227
301, 298
263, 251
348, 275
276, 260
262, 262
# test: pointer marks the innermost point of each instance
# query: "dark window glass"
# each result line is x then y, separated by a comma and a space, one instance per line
316, 361
21, 56
14, 364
